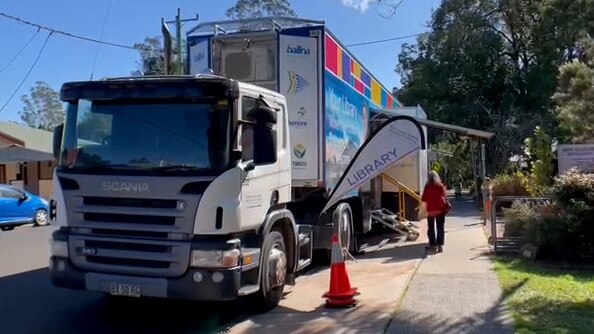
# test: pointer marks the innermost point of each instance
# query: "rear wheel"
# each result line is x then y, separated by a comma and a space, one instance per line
40, 218
274, 272
345, 234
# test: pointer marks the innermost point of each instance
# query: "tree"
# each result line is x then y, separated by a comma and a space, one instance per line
260, 8
492, 64
152, 57
575, 96
152, 60
42, 107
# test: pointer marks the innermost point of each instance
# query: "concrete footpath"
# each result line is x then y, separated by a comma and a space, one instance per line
402, 289
381, 276
455, 291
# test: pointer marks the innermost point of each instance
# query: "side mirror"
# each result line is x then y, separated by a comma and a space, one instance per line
57, 141
249, 166
24, 197
263, 115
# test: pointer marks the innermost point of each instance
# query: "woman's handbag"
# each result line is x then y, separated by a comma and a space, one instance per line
422, 212
448, 207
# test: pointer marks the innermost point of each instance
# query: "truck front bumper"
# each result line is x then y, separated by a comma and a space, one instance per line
195, 284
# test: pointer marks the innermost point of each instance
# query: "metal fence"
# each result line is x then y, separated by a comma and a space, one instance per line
495, 222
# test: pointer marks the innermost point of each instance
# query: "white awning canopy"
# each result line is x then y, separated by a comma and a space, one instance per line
388, 113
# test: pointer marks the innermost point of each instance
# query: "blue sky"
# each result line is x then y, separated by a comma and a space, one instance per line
130, 21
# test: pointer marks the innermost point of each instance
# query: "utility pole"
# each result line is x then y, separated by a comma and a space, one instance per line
179, 65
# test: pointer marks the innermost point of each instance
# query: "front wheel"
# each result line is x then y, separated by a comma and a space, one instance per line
40, 218
274, 272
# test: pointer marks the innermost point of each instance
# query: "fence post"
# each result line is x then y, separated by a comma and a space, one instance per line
494, 223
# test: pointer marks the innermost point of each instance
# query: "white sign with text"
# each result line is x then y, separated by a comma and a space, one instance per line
575, 155
299, 83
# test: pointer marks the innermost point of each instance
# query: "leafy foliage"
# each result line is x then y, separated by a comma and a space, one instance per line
563, 230
515, 184
152, 60
42, 107
492, 64
260, 8
152, 57
575, 96
541, 155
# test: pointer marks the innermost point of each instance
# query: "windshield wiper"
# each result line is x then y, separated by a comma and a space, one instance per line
103, 167
179, 168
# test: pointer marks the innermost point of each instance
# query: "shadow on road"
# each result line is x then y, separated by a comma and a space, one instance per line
30, 304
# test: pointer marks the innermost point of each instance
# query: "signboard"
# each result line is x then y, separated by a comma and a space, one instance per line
397, 139
199, 55
575, 155
346, 125
299, 83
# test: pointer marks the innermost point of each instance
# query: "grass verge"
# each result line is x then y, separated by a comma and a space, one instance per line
547, 300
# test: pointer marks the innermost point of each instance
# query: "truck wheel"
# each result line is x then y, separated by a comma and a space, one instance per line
274, 272
346, 236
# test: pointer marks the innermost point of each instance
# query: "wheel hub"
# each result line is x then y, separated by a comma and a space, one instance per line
277, 267
41, 218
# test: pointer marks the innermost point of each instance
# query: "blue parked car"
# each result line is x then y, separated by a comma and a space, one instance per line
18, 207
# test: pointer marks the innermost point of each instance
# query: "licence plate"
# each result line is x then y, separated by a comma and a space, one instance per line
128, 290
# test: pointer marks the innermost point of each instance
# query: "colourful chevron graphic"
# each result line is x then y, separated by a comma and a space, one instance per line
296, 83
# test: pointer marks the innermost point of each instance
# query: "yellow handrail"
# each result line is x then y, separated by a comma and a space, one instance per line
401, 198
402, 187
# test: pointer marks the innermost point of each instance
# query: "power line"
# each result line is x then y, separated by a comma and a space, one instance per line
20, 51
392, 7
28, 72
385, 40
101, 37
88, 39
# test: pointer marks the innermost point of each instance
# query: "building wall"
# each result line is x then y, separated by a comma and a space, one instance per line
37, 177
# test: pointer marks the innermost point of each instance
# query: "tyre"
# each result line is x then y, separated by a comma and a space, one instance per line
274, 272
345, 234
40, 218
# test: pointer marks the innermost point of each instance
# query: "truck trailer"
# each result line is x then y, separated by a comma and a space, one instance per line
212, 185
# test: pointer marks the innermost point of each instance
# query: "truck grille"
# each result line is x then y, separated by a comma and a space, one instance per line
130, 202
155, 258
136, 236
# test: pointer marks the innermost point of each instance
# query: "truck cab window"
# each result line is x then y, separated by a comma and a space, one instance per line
258, 142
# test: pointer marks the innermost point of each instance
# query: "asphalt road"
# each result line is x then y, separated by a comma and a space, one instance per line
30, 304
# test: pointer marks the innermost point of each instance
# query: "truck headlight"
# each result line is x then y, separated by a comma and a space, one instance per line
215, 258
58, 248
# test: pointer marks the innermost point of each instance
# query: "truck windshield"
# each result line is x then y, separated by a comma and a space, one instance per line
156, 137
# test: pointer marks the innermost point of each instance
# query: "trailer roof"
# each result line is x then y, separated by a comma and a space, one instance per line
266, 23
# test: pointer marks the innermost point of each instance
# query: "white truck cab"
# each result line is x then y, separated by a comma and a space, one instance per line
175, 187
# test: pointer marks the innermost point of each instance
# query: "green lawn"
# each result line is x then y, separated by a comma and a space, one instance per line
547, 300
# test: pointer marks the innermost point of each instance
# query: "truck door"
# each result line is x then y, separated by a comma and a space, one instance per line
259, 184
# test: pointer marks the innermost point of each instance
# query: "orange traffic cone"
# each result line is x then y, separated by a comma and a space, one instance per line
340, 294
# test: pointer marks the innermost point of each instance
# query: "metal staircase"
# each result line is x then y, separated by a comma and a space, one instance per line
391, 220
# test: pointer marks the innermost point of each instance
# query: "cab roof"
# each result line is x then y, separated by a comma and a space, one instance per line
147, 87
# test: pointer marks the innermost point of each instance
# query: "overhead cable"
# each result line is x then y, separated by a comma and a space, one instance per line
64, 33
20, 51
385, 40
28, 72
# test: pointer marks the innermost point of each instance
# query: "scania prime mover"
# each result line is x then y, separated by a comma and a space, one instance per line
211, 186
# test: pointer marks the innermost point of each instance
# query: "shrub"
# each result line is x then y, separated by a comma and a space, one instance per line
523, 217
515, 184
541, 156
574, 186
